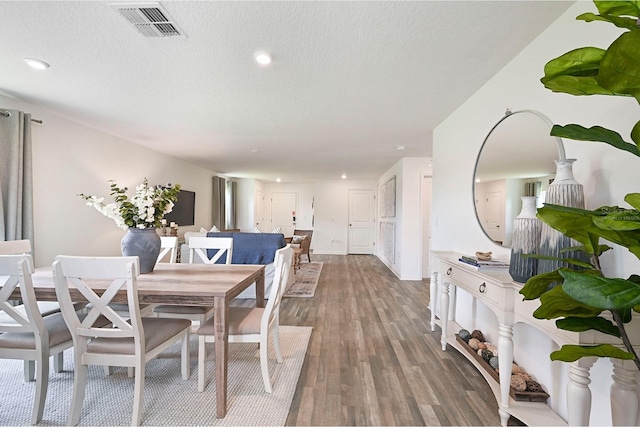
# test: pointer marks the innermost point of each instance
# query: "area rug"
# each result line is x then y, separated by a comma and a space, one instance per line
306, 280
168, 400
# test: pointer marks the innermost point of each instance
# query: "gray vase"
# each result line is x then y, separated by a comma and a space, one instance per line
525, 240
143, 243
564, 191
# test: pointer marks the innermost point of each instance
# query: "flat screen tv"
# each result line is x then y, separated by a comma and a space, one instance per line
184, 209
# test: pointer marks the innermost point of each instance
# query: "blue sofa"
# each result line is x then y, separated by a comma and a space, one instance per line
248, 248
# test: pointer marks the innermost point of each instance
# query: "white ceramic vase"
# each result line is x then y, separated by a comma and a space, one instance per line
565, 191
525, 240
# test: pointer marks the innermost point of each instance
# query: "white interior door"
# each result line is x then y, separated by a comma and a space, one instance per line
361, 222
283, 208
259, 206
426, 225
495, 214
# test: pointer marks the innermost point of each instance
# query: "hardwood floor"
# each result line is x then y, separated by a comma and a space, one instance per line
373, 359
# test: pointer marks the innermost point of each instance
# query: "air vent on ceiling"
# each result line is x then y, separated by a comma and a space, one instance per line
150, 19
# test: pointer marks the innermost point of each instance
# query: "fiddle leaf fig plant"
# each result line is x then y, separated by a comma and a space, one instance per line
584, 298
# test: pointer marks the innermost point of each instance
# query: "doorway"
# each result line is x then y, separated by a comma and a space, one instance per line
426, 187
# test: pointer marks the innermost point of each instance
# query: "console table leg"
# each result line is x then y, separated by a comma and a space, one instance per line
444, 307
578, 393
624, 400
433, 291
505, 361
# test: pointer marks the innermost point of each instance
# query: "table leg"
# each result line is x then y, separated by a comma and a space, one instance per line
505, 361
624, 400
260, 290
444, 315
433, 291
221, 325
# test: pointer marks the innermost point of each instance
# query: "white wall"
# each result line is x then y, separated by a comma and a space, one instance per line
606, 173
407, 263
68, 159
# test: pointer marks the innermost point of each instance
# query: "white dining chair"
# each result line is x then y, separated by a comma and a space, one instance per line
197, 314
168, 246
252, 324
26, 334
129, 341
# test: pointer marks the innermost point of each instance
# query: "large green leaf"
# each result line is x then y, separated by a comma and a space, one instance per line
539, 284
580, 324
621, 22
620, 65
575, 72
571, 353
622, 220
618, 7
595, 134
600, 292
556, 303
635, 133
633, 199
579, 225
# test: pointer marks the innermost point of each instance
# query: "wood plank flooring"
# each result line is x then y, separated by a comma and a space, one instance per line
373, 359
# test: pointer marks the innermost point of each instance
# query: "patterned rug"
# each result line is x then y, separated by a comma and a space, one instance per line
306, 280
168, 400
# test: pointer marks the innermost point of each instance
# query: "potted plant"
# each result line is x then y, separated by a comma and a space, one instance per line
585, 299
140, 215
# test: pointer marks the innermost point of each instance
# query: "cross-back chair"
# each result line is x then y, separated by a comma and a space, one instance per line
198, 315
25, 334
168, 246
253, 325
129, 341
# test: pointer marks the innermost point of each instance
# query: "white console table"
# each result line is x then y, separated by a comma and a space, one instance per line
500, 294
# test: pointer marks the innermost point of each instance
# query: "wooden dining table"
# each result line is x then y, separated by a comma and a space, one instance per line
183, 284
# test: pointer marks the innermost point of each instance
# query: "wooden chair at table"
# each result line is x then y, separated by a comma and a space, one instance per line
130, 341
305, 244
26, 334
198, 246
253, 325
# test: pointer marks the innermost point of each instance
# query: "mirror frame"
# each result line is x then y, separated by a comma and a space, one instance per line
508, 113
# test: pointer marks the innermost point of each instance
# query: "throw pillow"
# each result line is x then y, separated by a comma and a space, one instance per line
277, 230
296, 239
214, 229
257, 230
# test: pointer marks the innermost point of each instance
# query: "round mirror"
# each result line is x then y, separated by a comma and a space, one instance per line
516, 159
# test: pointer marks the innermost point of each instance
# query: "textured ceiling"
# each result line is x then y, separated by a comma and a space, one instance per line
350, 81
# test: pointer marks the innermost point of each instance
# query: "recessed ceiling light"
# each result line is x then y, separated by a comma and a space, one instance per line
255, 151
400, 147
344, 176
263, 58
36, 63
277, 179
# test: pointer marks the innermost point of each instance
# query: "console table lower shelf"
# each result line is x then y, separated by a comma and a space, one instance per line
530, 413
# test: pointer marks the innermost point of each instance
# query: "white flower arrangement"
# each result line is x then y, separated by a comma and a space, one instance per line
145, 209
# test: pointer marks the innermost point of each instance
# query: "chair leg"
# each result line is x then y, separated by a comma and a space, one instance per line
58, 362
264, 363
138, 392
108, 370
29, 370
186, 372
131, 372
309, 256
79, 386
276, 343
42, 381
202, 356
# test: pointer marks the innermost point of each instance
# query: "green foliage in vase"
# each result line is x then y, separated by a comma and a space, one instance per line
585, 299
144, 209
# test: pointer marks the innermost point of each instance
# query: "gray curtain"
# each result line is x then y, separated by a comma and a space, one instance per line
16, 180
219, 188
231, 205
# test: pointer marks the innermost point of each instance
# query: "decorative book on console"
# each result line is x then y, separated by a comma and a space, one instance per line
484, 265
